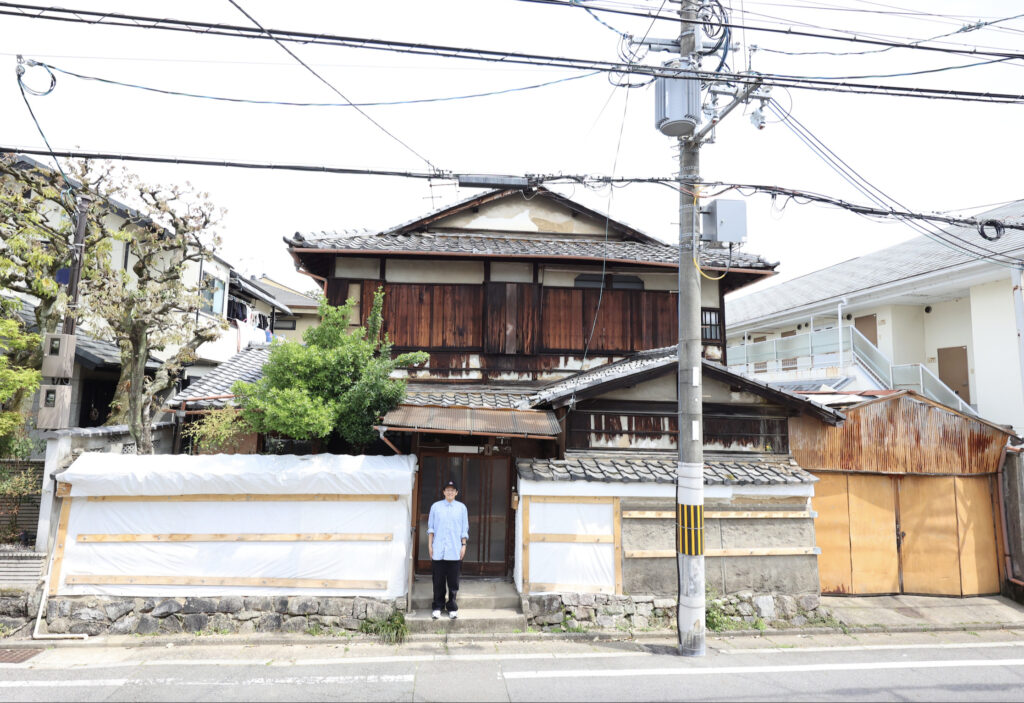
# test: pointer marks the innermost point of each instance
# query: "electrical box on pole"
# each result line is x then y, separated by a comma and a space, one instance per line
724, 221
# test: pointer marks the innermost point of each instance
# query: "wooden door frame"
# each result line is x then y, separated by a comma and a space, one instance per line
509, 513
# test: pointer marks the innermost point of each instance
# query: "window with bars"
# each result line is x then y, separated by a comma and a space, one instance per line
711, 325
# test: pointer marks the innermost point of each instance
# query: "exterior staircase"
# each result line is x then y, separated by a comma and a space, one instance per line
485, 606
800, 355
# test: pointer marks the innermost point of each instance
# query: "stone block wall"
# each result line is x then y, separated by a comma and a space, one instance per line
558, 612
95, 615
18, 608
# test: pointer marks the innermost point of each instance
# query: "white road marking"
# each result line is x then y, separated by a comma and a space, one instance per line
873, 647
261, 681
415, 659
724, 670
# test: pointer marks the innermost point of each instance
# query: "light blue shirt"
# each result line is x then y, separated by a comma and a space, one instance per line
449, 523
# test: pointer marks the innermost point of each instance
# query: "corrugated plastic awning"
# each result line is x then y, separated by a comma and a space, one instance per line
472, 421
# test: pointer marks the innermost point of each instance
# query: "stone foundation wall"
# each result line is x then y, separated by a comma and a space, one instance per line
583, 611
18, 607
95, 615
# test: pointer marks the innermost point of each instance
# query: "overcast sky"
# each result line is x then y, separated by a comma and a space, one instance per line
930, 155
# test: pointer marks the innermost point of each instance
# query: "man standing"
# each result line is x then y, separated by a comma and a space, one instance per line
447, 534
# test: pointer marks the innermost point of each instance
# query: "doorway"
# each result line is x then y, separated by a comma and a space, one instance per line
867, 325
953, 371
485, 486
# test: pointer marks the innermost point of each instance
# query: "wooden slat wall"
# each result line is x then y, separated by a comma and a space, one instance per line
429, 316
902, 435
511, 318
562, 319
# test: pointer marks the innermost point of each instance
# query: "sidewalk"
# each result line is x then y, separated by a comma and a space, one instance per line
923, 613
857, 614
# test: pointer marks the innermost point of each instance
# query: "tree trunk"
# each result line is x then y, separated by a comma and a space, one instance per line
139, 415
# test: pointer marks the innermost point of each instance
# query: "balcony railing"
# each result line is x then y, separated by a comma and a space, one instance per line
823, 349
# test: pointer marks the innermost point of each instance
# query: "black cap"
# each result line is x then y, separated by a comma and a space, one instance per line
450, 483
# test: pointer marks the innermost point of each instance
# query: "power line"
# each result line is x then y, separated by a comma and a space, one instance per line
287, 103
330, 85
540, 59
535, 179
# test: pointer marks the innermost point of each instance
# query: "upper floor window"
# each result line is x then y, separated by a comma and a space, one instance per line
618, 281
213, 295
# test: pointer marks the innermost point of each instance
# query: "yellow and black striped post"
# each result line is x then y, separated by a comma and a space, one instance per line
690, 530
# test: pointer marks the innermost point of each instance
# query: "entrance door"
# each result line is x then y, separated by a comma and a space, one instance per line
485, 486
867, 325
953, 371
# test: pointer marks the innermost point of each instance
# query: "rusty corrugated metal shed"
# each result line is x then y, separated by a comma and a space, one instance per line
901, 433
473, 421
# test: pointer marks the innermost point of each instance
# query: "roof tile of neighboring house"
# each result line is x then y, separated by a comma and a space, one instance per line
496, 398
719, 469
915, 257
246, 365
479, 244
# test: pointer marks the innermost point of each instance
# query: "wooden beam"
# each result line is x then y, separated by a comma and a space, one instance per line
581, 539
62, 535
251, 498
720, 514
617, 535
63, 490
525, 502
242, 537
742, 552
124, 580
572, 499
569, 588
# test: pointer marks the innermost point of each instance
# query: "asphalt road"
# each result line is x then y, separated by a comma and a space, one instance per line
963, 666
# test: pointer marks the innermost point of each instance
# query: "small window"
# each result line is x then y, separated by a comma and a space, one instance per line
50, 399
284, 323
588, 280
213, 295
54, 346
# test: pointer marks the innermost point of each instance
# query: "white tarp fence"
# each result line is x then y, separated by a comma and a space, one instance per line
566, 565
307, 555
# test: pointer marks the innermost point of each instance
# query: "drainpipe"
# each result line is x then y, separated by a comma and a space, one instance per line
36, 634
840, 328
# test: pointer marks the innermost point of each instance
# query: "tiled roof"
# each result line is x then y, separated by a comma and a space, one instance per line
480, 244
473, 421
246, 365
636, 364
719, 469
496, 398
915, 257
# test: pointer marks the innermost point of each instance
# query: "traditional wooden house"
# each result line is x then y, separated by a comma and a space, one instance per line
907, 495
540, 317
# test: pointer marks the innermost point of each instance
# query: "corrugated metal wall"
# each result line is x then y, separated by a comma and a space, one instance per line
898, 435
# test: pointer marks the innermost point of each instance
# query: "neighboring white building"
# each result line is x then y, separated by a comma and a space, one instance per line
921, 315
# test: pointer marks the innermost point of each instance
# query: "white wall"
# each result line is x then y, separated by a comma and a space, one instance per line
906, 327
423, 271
521, 215
998, 390
949, 325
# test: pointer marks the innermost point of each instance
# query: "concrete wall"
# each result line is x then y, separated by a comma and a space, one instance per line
906, 328
797, 574
997, 390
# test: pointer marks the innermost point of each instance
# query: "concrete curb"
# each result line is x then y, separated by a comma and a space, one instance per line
128, 641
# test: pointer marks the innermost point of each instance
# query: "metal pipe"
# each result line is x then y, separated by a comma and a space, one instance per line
36, 634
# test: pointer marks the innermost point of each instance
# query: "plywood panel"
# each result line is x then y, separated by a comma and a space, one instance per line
873, 556
928, 517
979, 565
832, 530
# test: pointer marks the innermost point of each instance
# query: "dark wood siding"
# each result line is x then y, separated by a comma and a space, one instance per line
431, 316
511, 316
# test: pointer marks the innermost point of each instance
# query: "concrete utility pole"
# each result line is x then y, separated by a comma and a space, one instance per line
690, 470
76, 268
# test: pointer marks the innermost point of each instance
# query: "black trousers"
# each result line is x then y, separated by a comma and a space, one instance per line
446, 573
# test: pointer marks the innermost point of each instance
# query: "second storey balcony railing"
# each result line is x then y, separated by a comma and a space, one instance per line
826, 348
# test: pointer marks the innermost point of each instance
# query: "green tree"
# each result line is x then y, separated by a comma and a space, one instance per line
16, 383
338, 381
152, 306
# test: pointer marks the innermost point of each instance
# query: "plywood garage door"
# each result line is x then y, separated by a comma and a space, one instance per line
979, 566
928, 518
832, 531
875, 563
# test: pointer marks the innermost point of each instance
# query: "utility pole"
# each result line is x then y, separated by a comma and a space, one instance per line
690, 470
81, 225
